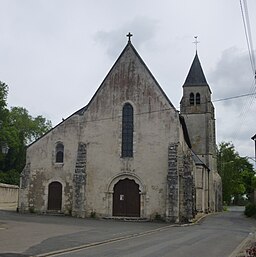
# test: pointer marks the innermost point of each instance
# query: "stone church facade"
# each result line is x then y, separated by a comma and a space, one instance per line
129, 152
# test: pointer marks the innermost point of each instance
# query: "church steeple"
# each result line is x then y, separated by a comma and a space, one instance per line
195, 75
198, 111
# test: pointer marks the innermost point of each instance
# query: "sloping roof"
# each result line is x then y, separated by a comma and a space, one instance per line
185, 131
195, 75
254, 137
198, 161
83, 109
79, 112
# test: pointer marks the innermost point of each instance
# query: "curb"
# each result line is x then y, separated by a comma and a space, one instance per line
245, 244
117, 239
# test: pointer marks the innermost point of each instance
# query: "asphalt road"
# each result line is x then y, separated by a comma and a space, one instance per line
215, 236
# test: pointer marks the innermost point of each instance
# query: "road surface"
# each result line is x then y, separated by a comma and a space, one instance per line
217, 235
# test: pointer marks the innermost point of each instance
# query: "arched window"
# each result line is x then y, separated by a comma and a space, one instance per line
191, 99
198, 100
127, 131
59, 153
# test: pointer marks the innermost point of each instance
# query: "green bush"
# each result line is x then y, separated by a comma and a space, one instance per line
11, 177
250, 210
93, 214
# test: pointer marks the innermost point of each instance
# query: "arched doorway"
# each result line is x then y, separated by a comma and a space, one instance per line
126, 199
55, 196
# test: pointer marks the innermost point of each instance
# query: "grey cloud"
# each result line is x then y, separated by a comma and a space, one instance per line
143, 28
232, 75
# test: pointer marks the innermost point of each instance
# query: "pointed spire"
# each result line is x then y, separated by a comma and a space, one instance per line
195, 75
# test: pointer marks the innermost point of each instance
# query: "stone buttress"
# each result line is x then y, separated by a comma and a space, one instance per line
79, 182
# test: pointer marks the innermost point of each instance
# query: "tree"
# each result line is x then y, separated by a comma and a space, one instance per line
236, 172
3, 95
18, 129
4, 112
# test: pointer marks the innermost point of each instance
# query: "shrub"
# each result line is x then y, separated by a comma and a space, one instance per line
11, 177
158, 217
250, 210
93, 214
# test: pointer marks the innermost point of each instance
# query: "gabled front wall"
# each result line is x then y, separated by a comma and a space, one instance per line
156, 125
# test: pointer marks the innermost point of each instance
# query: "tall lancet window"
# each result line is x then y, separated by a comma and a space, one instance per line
198, 100
127, 131
191, 99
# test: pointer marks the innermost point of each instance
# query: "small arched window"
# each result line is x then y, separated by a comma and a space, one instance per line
59, 153
127, 131
198, 100
191, 99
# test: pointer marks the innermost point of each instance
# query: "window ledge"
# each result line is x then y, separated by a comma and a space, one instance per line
58, 164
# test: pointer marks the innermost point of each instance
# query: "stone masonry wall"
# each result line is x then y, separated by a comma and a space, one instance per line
79, 182
173, 185
24, 189
188, 190
8, 193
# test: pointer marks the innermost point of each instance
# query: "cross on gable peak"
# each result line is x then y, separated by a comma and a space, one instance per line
129, 35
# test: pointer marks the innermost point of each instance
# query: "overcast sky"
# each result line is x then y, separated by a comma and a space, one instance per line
54, 54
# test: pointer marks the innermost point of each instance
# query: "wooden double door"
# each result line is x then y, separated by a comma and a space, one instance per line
126, 199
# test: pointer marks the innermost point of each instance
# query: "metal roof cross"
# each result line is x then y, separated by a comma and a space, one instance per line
129, 35
196, 41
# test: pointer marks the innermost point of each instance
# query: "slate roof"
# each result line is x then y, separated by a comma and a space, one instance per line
80, 111
195, 75
198, 161
185, 131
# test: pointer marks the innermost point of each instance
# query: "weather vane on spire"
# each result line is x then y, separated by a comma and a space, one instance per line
196, 41
129, 35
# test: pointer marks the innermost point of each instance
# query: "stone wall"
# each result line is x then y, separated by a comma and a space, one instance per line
173, 185
8, 193
188, 188
79, 182
180, 183
24, 189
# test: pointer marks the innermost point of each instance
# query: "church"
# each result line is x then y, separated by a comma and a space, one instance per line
129, 153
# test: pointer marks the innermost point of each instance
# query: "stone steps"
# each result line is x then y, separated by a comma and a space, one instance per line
121, 218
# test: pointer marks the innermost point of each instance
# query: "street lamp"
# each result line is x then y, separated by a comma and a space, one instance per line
5, 148
254, 139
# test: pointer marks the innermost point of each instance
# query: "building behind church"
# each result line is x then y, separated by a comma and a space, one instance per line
129, 152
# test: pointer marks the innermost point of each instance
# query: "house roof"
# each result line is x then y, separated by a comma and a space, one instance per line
253, 137
195, 75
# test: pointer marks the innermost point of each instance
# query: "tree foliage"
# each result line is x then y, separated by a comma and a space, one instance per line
236, 172
17, 129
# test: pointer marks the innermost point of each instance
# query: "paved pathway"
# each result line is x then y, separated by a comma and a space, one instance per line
30, 235
34, 234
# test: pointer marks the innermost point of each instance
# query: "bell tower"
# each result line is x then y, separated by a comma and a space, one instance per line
198, 111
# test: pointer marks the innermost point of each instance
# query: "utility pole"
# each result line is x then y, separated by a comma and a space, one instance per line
254, 139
